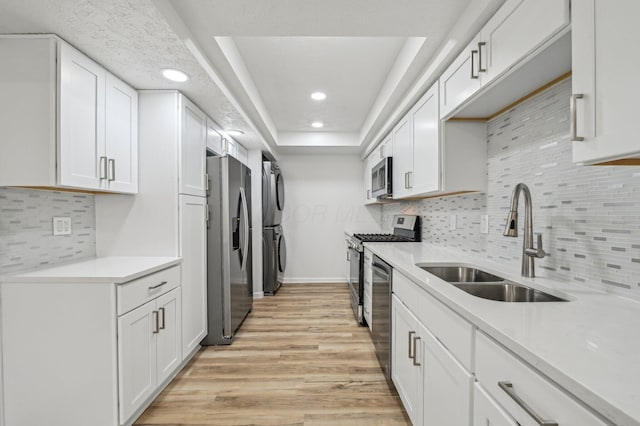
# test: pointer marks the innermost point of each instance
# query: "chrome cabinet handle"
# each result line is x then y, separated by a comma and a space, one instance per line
112, 170
574, 118
368, 194
103, 167
411, 353
508, 388
155, 321
406, 180
153, 287
348, 257
415, 351
473, 74
409, 179
480, 46
163, 324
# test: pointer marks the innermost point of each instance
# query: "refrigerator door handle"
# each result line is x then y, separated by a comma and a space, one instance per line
245, 212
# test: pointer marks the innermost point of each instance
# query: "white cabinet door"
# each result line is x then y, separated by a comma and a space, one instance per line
193, 250
460, 80
81, 135
136, 358
605, 74
121, 127
402, 157
487, 412
231, 148
193, 149
368, 164
169, 338
214, 139
518, 28
387, 148
406, 370
447, 384
425, 125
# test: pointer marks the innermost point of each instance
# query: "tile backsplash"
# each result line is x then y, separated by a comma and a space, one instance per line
26, 228
589, 216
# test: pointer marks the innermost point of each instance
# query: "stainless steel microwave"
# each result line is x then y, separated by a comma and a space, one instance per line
381, 179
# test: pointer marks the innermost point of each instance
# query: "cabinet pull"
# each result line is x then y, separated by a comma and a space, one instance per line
153, 287
162, 321
415, 351
411, 353
574, 118
156, 330
480, 46
473, 74
112, 170
508, 388
368, 194
409, 179
103, 167
406, 180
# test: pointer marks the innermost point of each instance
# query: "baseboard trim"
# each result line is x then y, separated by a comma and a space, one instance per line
258, 294
307, 280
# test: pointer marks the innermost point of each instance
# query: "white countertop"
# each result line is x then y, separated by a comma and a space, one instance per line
590, 345
114, 269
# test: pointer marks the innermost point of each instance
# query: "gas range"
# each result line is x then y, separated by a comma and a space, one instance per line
406, 229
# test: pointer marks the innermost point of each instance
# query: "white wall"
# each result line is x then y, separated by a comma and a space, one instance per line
323, 197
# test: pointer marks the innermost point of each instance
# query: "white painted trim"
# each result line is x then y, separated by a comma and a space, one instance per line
316, 280
258, 294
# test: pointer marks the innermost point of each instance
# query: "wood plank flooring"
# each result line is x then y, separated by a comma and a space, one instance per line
298, 359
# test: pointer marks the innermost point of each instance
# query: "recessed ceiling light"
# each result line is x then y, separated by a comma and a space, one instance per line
235, 132
317, 124
175, 75
318, 96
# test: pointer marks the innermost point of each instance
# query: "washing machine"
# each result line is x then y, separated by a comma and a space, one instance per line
274, 252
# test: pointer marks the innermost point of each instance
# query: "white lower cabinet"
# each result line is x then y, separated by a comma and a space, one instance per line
193, 250
405, 369
433, 386
149, 350
487, 412
514, 385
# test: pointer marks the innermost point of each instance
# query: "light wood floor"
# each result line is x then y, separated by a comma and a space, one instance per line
298, 359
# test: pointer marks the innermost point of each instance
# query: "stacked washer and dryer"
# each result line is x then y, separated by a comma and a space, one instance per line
274, 251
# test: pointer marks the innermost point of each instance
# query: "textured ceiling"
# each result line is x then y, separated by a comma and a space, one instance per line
133, 41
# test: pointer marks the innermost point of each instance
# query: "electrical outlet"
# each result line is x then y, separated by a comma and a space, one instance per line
484, 224
453, 222
61, 226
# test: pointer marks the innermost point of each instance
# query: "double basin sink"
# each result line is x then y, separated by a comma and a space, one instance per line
488, 286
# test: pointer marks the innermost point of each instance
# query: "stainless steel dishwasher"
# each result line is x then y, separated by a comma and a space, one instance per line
381, 314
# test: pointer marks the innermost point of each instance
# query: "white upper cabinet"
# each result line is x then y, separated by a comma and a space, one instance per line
75, 125
81, 144
366, 165
215, 142
193, 149
121, 136
604, 80
517, 29
519, 49
425, 126
402, 158
461, 79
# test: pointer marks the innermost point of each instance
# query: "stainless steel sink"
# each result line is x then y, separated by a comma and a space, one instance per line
461, 274
482, 284
507, 292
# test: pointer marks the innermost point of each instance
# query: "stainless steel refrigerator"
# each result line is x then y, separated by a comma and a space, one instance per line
229, 278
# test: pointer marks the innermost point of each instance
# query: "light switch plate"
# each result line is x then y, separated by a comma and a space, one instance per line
453, 223
61, 226
484, 224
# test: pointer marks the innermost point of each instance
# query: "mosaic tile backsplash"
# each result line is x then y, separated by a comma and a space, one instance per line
589, 217
26, 228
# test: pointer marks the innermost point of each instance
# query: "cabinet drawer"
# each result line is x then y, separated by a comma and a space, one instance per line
453, 331
140, 291
495, 365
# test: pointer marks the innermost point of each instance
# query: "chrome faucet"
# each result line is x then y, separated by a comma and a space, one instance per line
529, 253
